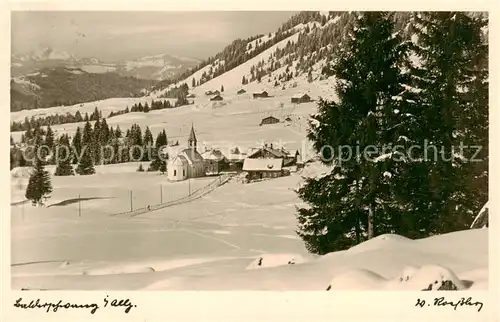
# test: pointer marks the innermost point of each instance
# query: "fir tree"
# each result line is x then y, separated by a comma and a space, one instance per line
76, 145
118, 132
63, 157
95, 145
86, 164
39, 184
354, 200
49, 144
453, 104
222, 88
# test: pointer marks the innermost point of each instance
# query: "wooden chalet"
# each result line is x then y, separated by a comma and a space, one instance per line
263, 168
262, 94
301, 98
268, 152
269, 120
215, 161
216, 98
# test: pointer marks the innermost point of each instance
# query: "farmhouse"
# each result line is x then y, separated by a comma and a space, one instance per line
216, 98
263, 94
188, 163
301, 98
268, 152
269, 120
263, 168
235, 159
215, 161
191, 96
241, 91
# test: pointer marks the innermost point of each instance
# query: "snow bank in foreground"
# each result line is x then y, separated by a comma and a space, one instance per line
425, 278
455, 261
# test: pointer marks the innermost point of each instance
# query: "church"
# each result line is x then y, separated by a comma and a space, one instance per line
188, 163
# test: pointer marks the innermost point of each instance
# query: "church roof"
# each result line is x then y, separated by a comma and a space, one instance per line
191, 155
180, 160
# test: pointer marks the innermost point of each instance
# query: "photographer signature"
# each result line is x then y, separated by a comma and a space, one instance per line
441, 301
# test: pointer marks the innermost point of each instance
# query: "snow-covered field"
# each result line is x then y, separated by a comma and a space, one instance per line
238, 237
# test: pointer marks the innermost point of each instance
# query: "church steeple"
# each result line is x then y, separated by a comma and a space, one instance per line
192, 142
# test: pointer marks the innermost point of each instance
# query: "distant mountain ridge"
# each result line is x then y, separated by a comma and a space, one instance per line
156, 67
68, 86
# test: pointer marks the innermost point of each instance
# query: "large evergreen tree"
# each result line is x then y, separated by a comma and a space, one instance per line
451, 75
354, 201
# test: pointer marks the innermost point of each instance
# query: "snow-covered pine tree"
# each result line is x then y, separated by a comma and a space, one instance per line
95, 144
49, 144
354, 200
39, 184
451, 75
76, 145
148, 144
63, 157
161, 141
86, 164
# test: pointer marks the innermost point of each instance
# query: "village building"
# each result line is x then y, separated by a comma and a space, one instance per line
301, 98
269, 120
263, 168
191, 95
241, 91
216, 98
235, 159
261, 94
269, 152
188, 163
215, 161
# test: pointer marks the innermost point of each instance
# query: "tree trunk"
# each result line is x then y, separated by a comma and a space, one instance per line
370, 221
358, 229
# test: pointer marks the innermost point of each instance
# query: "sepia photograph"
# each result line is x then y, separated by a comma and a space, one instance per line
249, 151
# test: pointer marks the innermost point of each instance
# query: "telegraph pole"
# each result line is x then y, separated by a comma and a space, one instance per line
161, 194
79, 207
189, 186
131, 208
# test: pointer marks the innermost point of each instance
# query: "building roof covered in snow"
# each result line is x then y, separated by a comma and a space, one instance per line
300, 95
180, 160
263, 164
191, 155
213, 154
270, 150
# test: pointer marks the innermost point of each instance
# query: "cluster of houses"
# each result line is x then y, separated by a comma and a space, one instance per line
296, 99
263, 162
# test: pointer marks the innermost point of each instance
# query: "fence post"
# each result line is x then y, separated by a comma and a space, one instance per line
131, 206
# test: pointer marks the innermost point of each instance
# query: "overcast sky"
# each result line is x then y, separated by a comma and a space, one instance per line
112, 36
